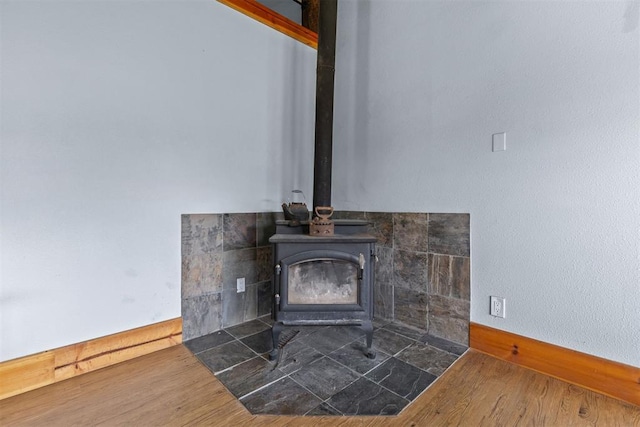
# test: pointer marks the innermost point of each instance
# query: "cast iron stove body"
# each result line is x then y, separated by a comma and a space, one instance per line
323, 280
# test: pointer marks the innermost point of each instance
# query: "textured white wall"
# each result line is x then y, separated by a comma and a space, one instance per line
555, 219
117, 117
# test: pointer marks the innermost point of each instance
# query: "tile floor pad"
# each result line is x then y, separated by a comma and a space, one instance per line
323, 370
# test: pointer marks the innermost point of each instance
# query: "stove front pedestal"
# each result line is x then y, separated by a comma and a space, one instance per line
278, 327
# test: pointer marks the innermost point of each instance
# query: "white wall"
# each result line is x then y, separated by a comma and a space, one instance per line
555, 219
117, 117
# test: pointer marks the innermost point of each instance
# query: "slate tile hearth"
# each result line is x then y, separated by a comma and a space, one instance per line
323, 371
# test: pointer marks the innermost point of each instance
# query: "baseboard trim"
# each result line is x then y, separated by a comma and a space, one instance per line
594, 373
37, 370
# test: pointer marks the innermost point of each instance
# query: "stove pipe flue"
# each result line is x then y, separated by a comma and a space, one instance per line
324, 103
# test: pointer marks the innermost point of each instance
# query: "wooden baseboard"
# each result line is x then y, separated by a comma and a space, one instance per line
37, 370
594, 373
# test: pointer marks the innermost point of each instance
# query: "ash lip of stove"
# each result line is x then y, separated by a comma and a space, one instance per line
323, 280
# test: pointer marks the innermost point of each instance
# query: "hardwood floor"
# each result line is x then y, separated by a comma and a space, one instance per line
170, 387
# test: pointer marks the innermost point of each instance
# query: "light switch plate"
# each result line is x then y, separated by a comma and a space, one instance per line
240, 284
500, 141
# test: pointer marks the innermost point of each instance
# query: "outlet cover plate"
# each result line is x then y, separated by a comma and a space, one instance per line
497, 308
240, 284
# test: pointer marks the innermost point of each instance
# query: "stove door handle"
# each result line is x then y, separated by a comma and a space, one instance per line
361, 271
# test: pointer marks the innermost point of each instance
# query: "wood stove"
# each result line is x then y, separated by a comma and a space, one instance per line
323, 280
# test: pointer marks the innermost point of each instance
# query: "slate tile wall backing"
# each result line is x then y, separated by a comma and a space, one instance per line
410, 231
449, 276
383, 286
382, 228
449, 234
410, 264
201, 274
239, 231
216, 250
422, 272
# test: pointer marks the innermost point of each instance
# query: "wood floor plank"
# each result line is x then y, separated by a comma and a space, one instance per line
171, 387
481, 390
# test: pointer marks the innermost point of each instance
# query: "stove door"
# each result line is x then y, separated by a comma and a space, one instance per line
321, 280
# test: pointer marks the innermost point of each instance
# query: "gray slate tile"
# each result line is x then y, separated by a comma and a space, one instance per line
449, 234
389, 342
260, 342
403, 379
403, 330
443, 344
201, 234
284, 397
332, 338
410, 270
410, 231
364, 397
449, 318
323, 409
225, 356
353, 357
449, 276
249, 376
208, 341
239, 231
381, 227
296, 355
410, 307
427, 358
325, 377
247, 328
201, 315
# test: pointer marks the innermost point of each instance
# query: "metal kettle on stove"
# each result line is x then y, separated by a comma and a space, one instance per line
296, 210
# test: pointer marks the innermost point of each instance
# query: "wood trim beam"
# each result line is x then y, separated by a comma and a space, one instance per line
34, 371
594, 373
261, 13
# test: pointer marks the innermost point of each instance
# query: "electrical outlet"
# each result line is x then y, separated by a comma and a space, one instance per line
240, 284
497, 308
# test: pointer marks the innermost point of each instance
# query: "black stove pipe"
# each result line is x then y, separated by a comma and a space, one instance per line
324, 103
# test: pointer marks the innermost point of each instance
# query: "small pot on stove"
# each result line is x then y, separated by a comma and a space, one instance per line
296, 210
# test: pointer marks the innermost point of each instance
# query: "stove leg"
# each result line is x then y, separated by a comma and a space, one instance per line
367, 326
275, 335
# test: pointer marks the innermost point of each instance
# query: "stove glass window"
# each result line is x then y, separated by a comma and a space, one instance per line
323, 281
